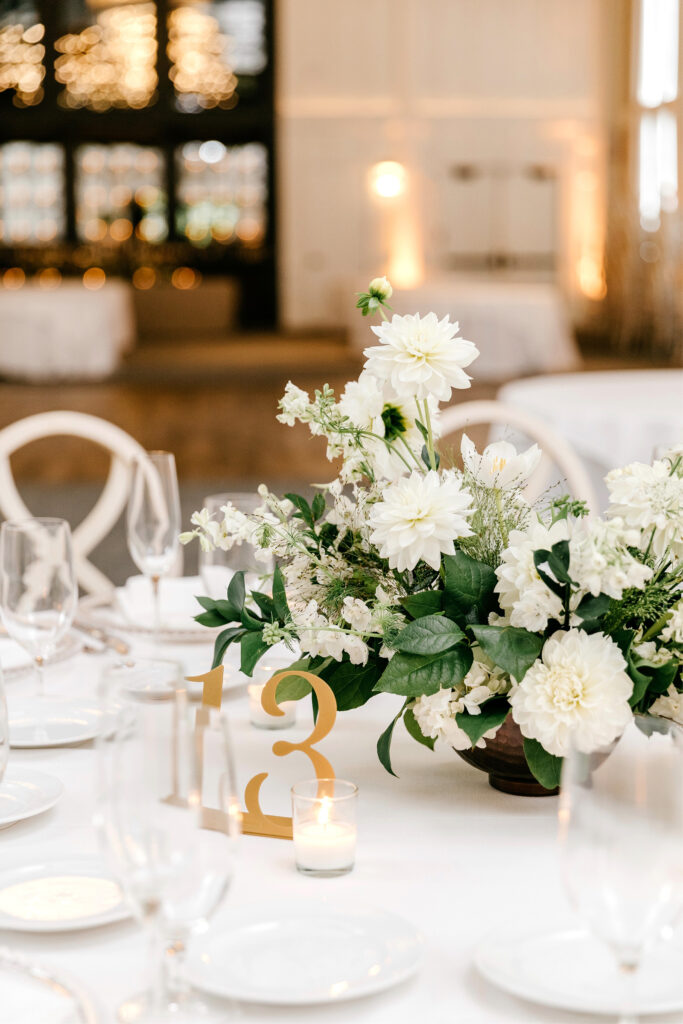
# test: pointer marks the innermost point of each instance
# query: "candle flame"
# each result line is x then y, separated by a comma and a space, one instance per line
324, 812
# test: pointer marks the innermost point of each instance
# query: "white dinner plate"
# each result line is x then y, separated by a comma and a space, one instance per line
296, 954
60, 896
103, 612
44, 722
571, 970
15, 661
32, 992
25, 792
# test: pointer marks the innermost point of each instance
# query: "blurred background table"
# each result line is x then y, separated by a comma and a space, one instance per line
68, 332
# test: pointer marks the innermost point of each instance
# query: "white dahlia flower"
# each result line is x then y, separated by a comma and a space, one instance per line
522, 594
650, 499
499, 465
575, 695
419, 519
421, 356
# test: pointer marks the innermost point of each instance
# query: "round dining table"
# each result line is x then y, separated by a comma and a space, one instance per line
436, 845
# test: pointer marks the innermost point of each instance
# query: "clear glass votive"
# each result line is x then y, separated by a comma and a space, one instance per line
324, 826
260, 719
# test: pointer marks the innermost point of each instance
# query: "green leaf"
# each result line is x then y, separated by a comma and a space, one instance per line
223, 641
207, 603
236, 591
431, 634
303, 509
411, 675
294, 687
468, 584
591, 608
228, 611
210, 619
353, 685
319, 506
428, 602
249, 621
280, 597
252, 646
545, 767
384, 745
493, 714
410, 722
425, 457
423, 430
510, 648
641, 681
264, 603
541, 558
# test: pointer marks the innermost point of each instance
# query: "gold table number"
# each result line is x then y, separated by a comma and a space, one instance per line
254, 821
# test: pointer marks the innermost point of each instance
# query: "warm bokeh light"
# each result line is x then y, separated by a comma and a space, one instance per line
185, 278
49, 278
388, 179
21, 62
94, 278
198, 53
13, 278
121, 229
144, 278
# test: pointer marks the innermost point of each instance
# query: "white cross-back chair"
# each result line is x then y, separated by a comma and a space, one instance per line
124, 450
556, 451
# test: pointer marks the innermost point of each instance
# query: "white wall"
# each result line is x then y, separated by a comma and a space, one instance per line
432, 83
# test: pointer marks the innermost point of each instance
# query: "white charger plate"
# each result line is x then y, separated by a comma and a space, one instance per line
15, 662
292, 953
60, 896
32, 992
43, 722
571, 970
25, 792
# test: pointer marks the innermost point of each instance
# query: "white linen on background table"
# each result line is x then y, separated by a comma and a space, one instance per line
65, 332
438, 846
519, 327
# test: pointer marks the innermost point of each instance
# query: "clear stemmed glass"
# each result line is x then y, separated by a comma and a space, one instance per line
38, 589
217, 567
171, 821
621, 829
153, 521
4, 730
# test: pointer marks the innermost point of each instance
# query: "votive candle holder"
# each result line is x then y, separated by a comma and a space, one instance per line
324, 826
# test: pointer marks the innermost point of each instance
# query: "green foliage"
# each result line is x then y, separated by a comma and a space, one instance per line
565, 506
280, 597
412, 675
510, 648
545, 767
394, 422
414, 730
493, 714
431, 634
252, 646
233, 634
384, 744
427, 602
468, 588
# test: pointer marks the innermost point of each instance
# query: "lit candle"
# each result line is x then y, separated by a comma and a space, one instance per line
324, 826
260, 718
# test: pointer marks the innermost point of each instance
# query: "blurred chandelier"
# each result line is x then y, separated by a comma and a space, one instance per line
113, 62
196, 49
21, 62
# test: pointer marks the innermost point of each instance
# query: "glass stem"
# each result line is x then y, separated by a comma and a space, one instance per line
177, 987
629, 974
40, 672
160, 967
157, 607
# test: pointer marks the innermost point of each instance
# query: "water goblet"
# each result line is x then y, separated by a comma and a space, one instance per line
38, 588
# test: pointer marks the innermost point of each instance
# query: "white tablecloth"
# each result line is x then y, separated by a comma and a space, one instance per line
610, 417
67, 332
518, 327
438, 846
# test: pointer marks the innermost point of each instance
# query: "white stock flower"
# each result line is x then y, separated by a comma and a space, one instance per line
419, 519
522, 594
499, 465
670, 705
421, 356
599, 560
357, 614
295, 405
650, 499
435, 715
673, 630
575, 695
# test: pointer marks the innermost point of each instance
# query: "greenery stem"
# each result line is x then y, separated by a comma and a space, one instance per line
501, 517
430, 437
649, 544
657, 626
419, 464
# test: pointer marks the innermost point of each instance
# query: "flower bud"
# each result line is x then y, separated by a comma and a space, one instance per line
380, 288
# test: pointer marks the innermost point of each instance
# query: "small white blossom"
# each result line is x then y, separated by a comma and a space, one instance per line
673, 631
522, 593
650, 499
669, 706
295, 405
599, 558
357, 614
500, 465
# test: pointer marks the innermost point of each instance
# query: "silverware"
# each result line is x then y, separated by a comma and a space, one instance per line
116, 643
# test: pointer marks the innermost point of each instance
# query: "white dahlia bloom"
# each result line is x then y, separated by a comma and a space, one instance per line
421, 356
522, 594
419, 518
499, 465
650, 499
575, 695
363, 401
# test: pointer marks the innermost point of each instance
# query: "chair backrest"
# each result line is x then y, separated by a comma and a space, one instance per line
106, 511
556, 451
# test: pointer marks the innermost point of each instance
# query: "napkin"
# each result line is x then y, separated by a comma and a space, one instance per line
177, 602
12, 656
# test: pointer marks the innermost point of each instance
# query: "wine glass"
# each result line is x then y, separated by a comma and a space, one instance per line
217, 567
153, 521
38, 589
621, 829
4, 730
170, 821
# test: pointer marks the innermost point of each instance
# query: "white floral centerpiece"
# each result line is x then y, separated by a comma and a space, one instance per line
410, 576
